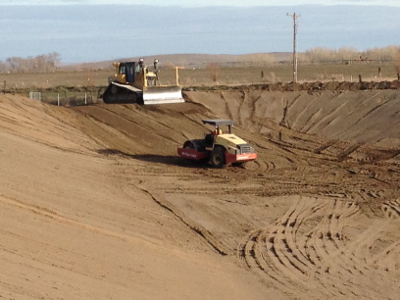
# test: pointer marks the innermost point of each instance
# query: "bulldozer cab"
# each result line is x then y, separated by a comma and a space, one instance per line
125, 72
132, 73
129, 71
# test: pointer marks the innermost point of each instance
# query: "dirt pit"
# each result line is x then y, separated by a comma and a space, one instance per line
95, 203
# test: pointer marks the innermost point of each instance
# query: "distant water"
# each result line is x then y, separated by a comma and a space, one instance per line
105, 32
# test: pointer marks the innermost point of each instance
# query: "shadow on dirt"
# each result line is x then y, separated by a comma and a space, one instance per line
158, 159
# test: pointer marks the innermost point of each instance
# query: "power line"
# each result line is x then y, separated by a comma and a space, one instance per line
295, 17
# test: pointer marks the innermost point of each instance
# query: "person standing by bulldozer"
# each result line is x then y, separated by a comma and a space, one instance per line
156, 71
140, 66
141, 72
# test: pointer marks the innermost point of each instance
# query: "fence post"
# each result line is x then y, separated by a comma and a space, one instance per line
58, 99
85, 99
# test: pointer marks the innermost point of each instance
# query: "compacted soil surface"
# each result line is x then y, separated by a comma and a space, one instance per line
96, 204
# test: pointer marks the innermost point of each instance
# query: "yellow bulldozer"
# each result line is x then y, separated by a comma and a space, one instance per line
133, 82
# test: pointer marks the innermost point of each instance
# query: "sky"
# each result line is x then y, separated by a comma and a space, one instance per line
87, 31
203, 3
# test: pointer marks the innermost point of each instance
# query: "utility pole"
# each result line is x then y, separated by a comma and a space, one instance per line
295, 17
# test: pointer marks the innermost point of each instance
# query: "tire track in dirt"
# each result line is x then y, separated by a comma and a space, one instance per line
253, 114
319, 116
207, 236
304, 111
239, 116
42, 124
44, 212
164, 123
363, 113
227, 107
118, 130
392, 209
307, 249
348, 151
328, 118
389, 258
324, 146
246, 110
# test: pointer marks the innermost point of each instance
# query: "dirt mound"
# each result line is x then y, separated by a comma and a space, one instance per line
369, 116
96, 204
308, 86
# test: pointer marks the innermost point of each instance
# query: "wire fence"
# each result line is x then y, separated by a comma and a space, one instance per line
65, 98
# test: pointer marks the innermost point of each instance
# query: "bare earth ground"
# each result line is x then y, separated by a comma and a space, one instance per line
95, 204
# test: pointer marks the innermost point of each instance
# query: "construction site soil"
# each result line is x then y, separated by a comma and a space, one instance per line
96, 204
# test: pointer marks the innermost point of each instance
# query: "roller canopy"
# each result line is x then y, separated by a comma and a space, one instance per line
219, 122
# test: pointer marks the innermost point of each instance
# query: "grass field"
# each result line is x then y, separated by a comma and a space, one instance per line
80, 86
210, 76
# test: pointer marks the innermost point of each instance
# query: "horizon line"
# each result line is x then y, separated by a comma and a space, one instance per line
29, 3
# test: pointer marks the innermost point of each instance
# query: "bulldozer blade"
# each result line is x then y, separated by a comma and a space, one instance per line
162, 95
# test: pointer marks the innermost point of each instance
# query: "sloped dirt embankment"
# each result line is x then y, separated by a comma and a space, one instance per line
96, 204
